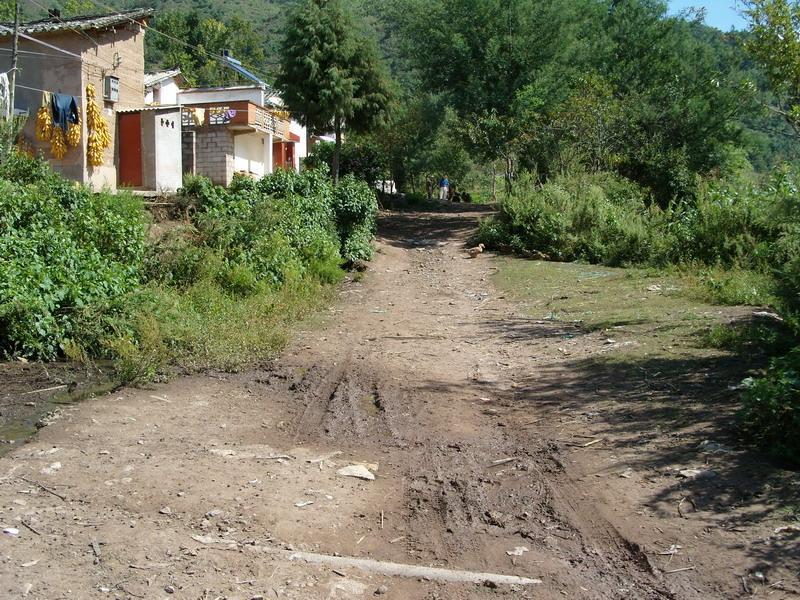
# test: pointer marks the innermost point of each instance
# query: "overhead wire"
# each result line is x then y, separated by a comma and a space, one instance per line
30, 52
60, 20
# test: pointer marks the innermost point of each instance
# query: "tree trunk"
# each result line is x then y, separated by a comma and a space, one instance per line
494, 182
337, 151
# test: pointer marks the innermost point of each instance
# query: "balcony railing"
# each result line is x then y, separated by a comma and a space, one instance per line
236, 114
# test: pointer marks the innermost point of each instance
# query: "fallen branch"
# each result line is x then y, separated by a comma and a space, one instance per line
46, 489
501, 462
50, 389
681, 570
29, 527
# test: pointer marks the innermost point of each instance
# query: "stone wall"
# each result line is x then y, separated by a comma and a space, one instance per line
189, 156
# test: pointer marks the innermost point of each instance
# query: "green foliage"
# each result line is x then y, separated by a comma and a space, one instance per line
775, 42
271, 229
331, 76
770, 416
65, 251
80, 279
362, 159
356, 208
603, 218
183, 30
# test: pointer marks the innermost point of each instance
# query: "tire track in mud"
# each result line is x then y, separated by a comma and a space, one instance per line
458, 508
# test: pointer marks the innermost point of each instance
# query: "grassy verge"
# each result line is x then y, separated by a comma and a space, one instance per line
205, 327
662, 311
86, 278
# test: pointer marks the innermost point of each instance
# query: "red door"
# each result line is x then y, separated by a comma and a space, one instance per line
130, 149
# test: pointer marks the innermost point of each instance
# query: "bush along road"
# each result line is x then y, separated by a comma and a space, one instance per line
455, 428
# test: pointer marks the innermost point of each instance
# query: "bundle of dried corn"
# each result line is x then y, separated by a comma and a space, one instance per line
99, 137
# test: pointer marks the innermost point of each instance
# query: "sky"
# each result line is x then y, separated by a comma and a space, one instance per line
722, 14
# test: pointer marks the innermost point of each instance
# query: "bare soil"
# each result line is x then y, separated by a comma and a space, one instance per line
501, 444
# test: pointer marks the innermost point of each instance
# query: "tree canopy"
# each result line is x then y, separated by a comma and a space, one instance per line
330, 76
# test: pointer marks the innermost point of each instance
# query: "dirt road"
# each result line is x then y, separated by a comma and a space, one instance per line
489, 461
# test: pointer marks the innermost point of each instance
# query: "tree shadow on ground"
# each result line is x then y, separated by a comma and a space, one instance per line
420, 229
661, 414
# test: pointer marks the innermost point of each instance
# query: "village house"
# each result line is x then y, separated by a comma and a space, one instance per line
160, 130
162, 88
229, 130
64, 56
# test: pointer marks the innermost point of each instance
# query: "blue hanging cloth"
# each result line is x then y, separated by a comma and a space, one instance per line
65, 110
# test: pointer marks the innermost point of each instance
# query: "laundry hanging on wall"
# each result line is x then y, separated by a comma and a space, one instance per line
5, 97
58, 121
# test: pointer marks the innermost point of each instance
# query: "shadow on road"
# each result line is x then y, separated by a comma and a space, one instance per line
419, 228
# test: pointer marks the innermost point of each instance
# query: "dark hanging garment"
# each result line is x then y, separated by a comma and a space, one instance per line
65, 110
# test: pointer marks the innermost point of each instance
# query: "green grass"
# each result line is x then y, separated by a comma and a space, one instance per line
660, 311
205, 327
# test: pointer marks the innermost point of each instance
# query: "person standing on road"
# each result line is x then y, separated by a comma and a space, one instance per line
444, 188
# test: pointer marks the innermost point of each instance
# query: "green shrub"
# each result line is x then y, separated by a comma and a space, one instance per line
770, 415
363, 160
355, 208
599, 219
65, 250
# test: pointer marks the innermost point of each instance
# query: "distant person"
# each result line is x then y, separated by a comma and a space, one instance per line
444, 188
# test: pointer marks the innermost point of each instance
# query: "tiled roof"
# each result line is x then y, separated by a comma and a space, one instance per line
80, 23
150, 79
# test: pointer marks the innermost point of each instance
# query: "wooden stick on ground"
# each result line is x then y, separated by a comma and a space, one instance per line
46, 489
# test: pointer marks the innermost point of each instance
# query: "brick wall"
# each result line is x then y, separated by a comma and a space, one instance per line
214, 154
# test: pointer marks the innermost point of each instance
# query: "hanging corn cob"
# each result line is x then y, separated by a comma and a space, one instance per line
44, 124
99, 137
58, 143
74, 133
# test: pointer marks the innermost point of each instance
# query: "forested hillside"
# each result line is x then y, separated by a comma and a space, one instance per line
632, 47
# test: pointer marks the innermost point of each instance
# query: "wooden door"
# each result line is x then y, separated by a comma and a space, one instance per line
130, 149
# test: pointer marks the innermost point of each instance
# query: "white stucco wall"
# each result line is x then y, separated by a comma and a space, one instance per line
168, 154
164, 93
249, 154
301, 147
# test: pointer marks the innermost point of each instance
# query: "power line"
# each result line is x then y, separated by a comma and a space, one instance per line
57, 18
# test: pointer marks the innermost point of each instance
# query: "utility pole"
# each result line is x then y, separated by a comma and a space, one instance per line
14, 56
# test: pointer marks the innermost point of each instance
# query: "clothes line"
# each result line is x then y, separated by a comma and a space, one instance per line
32, 53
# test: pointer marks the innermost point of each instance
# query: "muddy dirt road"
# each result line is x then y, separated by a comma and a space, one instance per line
488, 463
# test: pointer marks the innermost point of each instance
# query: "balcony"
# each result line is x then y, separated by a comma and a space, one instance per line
238, 115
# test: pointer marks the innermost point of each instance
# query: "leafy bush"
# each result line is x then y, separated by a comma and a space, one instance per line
592, 218
363, 160
79, 278
65, 251
770, 416
355, 208
607, 219
272, 229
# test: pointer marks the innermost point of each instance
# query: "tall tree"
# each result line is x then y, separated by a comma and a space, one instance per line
775, 43
330, 75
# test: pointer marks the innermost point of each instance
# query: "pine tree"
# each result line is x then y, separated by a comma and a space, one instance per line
330, 76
